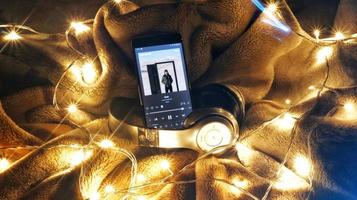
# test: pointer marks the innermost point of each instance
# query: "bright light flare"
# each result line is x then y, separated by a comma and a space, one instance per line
79, 156
243, 184
12, 36
141, 198
349, 107
287, 101
140, 178
244, 153
238, 186
323, 54
109, 189
72, 108
317, 34
311, 87
302, 166
285, 122
288, 180
349, 111
79, 27
271, 18
4, 164
106, 143
272, 7
339, 36
165, 164
94, 196
89, 73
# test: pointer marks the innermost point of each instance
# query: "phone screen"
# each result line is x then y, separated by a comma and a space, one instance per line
164, 85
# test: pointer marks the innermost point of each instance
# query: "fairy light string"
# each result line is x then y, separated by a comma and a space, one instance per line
271, 10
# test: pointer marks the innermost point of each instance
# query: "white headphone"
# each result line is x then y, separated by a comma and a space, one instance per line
204, 129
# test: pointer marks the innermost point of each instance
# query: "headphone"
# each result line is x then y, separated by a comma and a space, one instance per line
214, 122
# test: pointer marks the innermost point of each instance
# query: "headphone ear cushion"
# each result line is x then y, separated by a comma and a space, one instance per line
220, 96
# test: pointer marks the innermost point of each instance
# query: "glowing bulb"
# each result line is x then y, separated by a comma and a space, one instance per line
349, 107
244, 153
109, 189
317, 34
79, 27
311, 87
72, 108
141, 198
140, 178
323, 54
339, 36
79, 156
240, 183
89, 73
288, 101
272, 7
118, 1
285, 122
165, 164
12, 36
348, 111
4, 164
238, 186
288, 180
106, 143
302, 166
94, 196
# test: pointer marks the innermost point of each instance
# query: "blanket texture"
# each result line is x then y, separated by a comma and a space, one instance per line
226, 42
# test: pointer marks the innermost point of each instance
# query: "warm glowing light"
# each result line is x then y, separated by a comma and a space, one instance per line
140, 178
349, 107
118, 1
72, 108
4, 164
302, 166
244, 153
240, 183
109, 189
339, 36
94, 196
238, 186
141, 198
311, 87
272, 7
323, 54
12, 36
288, 101
285, 122
288, 180
106, 143
79, 27
89, 73
165, 164
79, 156
348, 111
317, 34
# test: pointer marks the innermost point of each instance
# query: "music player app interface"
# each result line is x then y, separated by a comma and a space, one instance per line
164, 85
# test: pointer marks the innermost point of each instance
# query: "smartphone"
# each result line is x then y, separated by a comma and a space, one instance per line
164, 86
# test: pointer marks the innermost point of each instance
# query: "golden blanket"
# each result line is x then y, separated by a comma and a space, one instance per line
55, 152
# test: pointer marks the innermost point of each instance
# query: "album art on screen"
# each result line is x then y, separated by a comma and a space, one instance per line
164, 85
161, 76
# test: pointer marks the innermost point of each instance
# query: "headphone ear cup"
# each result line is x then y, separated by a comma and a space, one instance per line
227, 97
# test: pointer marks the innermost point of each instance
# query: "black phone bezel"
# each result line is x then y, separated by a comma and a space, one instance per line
152, 40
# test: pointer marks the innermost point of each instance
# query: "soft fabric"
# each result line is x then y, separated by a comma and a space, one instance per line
226, 42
